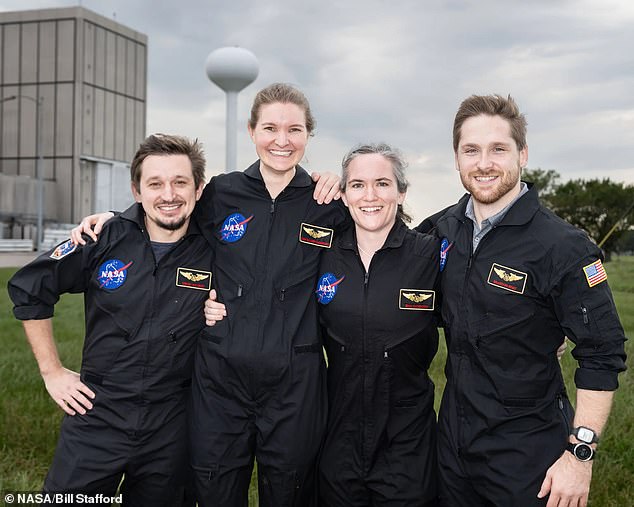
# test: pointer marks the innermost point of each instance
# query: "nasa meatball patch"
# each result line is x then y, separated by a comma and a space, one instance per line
327, 287
193, 279
416, 299
234, 227
315, 235
112, 274
507, 278
445, 246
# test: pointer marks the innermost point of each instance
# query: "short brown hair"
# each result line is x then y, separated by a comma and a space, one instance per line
165, 144
491, 105
284, 94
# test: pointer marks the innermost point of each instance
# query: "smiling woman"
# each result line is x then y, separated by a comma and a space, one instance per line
377, 295
258, 388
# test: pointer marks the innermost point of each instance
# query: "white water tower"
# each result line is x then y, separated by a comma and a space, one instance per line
232, 69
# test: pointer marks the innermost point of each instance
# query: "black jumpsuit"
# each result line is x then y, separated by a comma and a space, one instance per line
259, 383
142, 323
381, 336
505, 417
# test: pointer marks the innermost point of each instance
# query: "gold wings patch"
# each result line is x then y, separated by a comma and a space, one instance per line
507, 277
416, 298
315, 234
194, 277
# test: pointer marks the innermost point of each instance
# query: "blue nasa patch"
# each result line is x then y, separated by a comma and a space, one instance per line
112, 274
327, 287
444, 248
66, 248
234, 227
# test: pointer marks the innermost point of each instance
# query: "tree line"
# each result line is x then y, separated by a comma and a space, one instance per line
601, 207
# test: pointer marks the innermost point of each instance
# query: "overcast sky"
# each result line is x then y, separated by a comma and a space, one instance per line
396, 71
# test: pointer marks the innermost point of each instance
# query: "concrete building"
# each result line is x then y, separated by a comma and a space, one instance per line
73, 90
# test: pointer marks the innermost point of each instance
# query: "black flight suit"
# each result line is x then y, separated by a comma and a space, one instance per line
259, 383
381, 336
505, 417
142, 323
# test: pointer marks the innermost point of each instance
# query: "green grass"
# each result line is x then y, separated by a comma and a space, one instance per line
29, 420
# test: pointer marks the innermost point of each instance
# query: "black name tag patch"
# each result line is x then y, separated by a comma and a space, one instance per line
315, 235
507, 278
193, 279
416, 299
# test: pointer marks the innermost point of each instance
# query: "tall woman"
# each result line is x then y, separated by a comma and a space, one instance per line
259, 379
377, 295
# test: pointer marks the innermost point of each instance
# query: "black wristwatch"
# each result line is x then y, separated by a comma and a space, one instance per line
584, 434
581, 451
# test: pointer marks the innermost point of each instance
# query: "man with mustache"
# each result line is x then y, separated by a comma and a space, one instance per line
144, 285
516, 279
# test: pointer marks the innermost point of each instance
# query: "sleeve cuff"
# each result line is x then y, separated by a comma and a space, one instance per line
33, 312
596, 380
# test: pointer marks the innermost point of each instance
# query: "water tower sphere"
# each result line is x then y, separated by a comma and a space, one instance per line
232, 68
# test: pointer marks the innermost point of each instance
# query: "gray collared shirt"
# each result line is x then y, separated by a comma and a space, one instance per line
479, 231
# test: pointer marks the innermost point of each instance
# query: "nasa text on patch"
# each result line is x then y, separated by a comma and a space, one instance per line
66, 248
327, 287
507, 278
595, 273
112, 274
193, 278
234, 227
315, 235
416, 299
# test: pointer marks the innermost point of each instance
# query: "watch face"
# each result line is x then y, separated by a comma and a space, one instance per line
585, 435
583, 452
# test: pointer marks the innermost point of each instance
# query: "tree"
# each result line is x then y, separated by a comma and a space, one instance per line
596, 206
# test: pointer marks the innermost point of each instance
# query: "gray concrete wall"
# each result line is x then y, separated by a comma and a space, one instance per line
91, 74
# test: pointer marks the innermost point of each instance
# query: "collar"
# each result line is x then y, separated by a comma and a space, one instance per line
136, 214
519, 213
301, 178
394, 239
497, 218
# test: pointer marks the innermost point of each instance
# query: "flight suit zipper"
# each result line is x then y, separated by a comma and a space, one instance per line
461, 401
366, 408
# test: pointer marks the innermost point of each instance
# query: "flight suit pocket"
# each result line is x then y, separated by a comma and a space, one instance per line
294, 283
232, 290
515, 365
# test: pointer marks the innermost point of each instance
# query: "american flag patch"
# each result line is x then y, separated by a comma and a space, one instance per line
595, 274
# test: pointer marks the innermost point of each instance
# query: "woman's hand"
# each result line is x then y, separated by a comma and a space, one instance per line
91, 225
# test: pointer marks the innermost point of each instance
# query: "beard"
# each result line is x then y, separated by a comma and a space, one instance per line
171, 226
507, 181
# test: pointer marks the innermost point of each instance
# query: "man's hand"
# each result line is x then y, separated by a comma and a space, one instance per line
327, 187
568, 482
86, 226
68, 391
214, 311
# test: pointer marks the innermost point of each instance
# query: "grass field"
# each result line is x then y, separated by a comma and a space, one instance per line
29, 420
